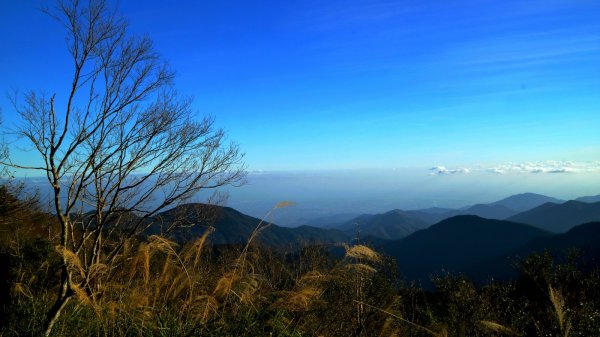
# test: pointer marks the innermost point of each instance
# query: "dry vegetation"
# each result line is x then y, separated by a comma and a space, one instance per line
158, 288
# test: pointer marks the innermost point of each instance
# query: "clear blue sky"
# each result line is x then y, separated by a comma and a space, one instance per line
359, 84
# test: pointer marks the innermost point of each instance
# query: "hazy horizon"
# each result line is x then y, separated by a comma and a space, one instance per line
323, 193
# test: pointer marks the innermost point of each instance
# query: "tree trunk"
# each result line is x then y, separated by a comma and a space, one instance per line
64, 295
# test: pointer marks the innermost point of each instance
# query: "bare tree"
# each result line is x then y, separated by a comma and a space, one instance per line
4, 152
120, 142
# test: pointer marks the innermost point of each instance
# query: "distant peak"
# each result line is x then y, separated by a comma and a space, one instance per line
463, 217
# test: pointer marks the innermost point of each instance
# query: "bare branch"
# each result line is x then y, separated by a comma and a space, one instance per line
119, 145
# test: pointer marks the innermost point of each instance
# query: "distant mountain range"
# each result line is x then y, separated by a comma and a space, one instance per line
504, 208
591, 198
397, 224
457, 243
526, 201
392, 225
233, 227
559, 218
421, 244
489, 211
484, 248
331, 221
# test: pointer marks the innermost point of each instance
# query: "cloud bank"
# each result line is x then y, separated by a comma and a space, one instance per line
539, 167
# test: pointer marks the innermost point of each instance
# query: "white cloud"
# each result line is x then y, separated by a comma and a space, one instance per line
548, 166
439, 170
496, 170
561, 170
539, 167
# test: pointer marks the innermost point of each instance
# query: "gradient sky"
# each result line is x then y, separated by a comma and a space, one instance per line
360, 84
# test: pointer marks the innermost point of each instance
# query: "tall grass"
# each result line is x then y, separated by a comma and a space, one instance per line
156, 287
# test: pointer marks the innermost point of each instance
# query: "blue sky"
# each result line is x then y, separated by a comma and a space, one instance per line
312, 85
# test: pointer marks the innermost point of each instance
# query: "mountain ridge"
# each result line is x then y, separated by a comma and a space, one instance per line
391, 225
233, 227
559, 218
398, 228
457, 243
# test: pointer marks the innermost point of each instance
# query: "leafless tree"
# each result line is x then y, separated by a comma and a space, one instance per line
4, 152
120, 142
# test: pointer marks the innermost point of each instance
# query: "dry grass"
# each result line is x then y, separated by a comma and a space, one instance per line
72, 261
194, 253
361, 268
560, 310
441, 333
204, 307
161, 244
19, 289
308, 289
361, 252
300, 300
158, 287
225, 284
312, 276
82, 296
150, 277
496, 327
